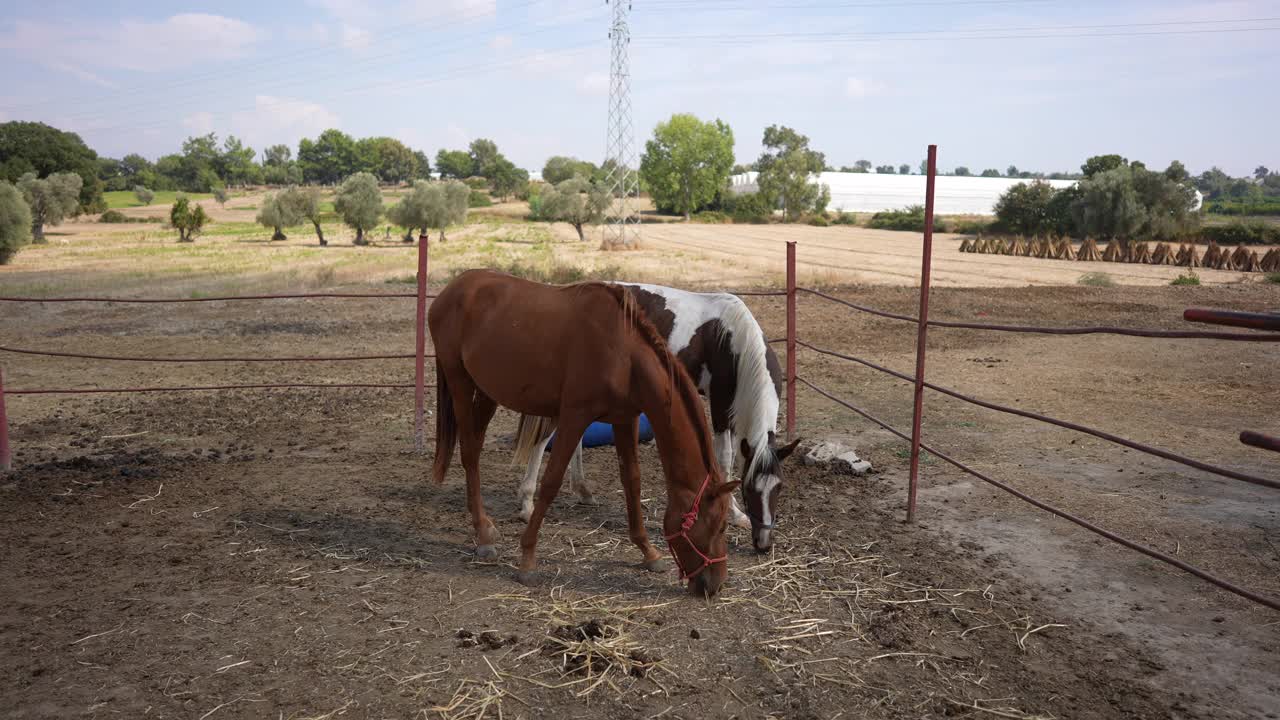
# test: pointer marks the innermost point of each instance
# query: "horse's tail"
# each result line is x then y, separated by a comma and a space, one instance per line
532, 431
446, 427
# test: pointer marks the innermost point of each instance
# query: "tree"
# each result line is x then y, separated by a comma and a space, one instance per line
15, 222
991, 172
1177, 172
144, 195
1108, 206
51, 200
904, 169
387, 158
431, 206
507, 179
359, 204
329, 158
1261, 172
187, 218
1024, 208
305, 203
276, 156
786, 167
560, 168
484, 154
1012, 171
686, 163
576, 202
111, 173
235, 163
279, 213
411, 212
862, 166
454, 164
962, 171
138, 170
885, 170
38, 148
422, 166
220, 194
1102, 163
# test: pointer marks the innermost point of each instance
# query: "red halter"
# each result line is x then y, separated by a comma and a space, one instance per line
689, 519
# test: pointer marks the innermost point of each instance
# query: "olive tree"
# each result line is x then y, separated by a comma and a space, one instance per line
359, 204
279, 213
220, 194
576, 202
51, 200
413, 210
305, 203
447, 205
15, 222
144, 195
187, 218
687, 163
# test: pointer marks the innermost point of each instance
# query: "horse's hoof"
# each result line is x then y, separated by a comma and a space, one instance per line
524, 515
742, 521
655, 565
528, 578
486, 552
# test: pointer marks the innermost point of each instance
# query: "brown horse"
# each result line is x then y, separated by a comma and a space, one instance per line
578, 353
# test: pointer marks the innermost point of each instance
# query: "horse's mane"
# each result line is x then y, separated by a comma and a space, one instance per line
681, 383
751, 414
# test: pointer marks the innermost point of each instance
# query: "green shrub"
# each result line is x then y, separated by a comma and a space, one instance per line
1270, 206
1240, 232
113, 216
478, 198
1273, 278
1096, 279
909, 219
1188, 278
710, 217
975, 227
15, 222
844, 218
818, 221
477, 183
747, 207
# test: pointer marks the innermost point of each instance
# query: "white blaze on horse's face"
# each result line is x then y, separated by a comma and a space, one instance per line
760, 492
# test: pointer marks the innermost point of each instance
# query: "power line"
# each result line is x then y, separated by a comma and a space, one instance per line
879, 33
256, 64
1079, 36
704, 5
460, 44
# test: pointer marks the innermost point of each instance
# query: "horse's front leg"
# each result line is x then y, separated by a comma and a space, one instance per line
569, 433
626, 440
723, 441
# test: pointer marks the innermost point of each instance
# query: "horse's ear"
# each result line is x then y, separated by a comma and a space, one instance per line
728, 487
786, 450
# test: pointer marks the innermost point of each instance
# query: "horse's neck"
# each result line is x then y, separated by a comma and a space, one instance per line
683, 444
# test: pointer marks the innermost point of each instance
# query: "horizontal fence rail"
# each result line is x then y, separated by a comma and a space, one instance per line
185, 388
138, 358
1100, 434
1131, 332
1227, 585
223, 298
1258, 440
1255, 321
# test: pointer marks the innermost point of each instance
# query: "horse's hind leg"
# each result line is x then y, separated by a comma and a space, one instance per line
626, 440
569, 433
474, 410
524, 494
578, 480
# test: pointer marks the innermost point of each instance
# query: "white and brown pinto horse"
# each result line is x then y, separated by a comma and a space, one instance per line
722, 347
579, 353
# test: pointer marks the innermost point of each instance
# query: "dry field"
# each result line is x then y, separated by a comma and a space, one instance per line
280, 554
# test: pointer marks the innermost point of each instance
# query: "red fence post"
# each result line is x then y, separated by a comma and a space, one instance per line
420, 359
791, 340
923, 327
6, 460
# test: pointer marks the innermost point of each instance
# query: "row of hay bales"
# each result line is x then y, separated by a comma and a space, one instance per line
1215, 257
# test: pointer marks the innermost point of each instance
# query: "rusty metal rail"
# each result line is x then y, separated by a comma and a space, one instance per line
1233, 318
1208, 577
1100, 434
139, 358
1258, 440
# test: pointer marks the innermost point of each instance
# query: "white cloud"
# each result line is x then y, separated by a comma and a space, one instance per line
594, 83
82, 74
355, 38
150, 46
200, 123
449, 10
280, 120
859, 88
500, 42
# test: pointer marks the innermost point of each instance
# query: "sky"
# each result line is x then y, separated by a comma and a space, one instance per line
1040, 84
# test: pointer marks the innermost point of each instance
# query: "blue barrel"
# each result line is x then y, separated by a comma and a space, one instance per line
599, 433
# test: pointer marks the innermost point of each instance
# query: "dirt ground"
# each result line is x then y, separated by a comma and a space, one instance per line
281, 553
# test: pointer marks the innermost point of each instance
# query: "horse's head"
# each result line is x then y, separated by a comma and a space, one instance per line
762, 488
696, 536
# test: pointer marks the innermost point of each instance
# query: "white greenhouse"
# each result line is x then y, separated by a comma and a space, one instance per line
872, 192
